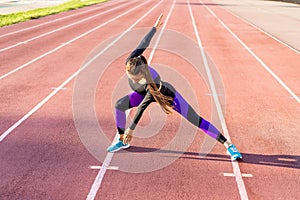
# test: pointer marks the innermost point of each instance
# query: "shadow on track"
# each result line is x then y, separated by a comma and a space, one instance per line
287, 161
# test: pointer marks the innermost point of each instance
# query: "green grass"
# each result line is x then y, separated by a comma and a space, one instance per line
13, 18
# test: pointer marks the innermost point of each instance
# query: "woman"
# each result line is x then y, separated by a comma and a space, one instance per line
147, 88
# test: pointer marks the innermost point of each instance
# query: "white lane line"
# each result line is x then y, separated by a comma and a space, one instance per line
161, 33
210, 94
55, 88
109, 167
106, 163
102, 5
287, 159
294, 97
254, 55
98, 180
232, 175
62, 28
68, 42
236, 168
39, 105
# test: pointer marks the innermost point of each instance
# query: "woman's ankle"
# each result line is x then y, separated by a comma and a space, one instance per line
227, 144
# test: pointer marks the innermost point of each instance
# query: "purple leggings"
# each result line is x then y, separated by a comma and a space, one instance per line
180, 105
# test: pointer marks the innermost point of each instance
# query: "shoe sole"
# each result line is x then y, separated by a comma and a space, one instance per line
123, 147
238, 158
232, 158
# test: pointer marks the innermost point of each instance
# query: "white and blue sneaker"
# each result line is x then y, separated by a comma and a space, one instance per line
234, 153
117, 146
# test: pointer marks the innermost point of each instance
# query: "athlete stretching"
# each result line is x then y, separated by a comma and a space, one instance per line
147, 88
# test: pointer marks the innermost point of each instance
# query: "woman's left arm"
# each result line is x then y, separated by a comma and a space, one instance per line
146, 40
140, 110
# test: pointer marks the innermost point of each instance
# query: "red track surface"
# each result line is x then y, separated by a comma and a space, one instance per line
44, 158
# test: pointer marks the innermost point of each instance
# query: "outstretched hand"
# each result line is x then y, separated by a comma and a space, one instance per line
127, 136
158, 22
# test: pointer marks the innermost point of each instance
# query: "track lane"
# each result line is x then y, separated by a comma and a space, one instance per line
44, 158
41, 74
22, 39
281, 58
260, 114
183, 179
32, 24
31, 191
63, 183
30, 53
221, 116
273, 61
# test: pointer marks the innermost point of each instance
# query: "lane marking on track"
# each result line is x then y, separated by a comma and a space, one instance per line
107, 160
39, 105
62, 28
232, 175
108, 168
294, 97
105, 4
210, 94
254, 55
65, 44
235, 165
287, 159
55, 88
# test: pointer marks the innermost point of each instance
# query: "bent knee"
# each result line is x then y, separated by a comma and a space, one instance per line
123, 104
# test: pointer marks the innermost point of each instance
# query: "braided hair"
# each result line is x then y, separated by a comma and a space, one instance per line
138, 65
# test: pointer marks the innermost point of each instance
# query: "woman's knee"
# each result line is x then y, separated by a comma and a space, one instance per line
123, 104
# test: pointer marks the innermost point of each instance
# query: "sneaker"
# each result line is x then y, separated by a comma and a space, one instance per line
117, 146
234, 153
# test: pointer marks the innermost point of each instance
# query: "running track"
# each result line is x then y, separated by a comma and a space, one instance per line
42, 156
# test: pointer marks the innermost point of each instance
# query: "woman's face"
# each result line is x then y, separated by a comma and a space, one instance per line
138, 78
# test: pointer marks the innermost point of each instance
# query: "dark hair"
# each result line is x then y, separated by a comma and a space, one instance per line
138, 65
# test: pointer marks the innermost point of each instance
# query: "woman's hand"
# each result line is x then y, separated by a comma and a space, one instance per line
127, 136
159, 22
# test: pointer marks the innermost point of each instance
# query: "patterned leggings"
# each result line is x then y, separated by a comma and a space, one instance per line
179, 104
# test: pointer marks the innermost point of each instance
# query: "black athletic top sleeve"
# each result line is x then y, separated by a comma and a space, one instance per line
143, 45
141, 108
142, 89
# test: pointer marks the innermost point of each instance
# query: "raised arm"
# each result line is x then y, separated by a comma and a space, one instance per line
143, 45
146, 40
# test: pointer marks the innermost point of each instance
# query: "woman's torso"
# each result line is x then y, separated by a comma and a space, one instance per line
166, 88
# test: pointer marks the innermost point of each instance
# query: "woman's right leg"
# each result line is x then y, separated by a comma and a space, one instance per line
129, 101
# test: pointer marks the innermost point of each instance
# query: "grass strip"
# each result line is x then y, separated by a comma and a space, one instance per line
13, 18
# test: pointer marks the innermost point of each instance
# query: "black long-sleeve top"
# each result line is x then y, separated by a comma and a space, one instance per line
142, 88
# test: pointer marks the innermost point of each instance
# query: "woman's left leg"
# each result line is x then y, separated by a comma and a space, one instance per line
183, 108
